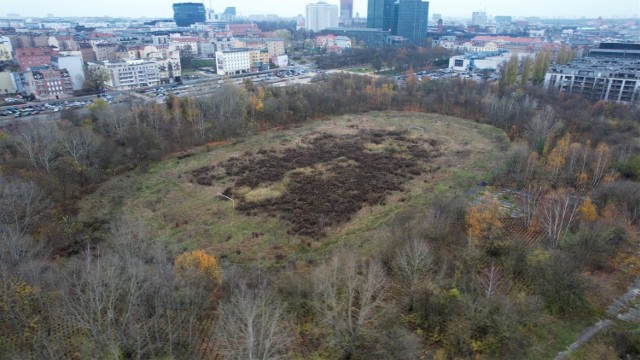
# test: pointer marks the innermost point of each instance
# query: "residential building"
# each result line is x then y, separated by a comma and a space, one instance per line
259, 56
321, 16
412, 18
503, 19
343, 42
479, 18
616, 50
7, 83
243, 30
179, 43
6, 49
51, 84
160, 40
129, 74
169, 69
33, 57
105, 51
609, 72
379, 14
274, 46
364, 37
512, 44
187, 14
63, 43
614, 80
86, 50
234, 61
22, 79
74, 66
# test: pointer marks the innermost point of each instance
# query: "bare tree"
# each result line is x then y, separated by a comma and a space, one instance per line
40, 143
544, 123
22, 204
350, 297
557, 214
252, 325
103, 299
529, 200
80, 144
490, 280
412, 264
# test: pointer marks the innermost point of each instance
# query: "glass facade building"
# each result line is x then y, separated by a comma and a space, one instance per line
411, 17
187, 14
379, 14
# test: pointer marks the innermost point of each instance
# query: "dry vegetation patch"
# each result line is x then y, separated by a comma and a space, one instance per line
293, 183
327, 179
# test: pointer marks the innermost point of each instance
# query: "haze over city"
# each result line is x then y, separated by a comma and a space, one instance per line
461, 8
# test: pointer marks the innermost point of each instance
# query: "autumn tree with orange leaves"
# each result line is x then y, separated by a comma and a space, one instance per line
198, 262
483, 224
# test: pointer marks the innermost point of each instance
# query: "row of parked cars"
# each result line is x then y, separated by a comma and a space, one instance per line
289, 73
27, 110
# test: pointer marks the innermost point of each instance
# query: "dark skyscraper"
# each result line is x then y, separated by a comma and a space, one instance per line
412, 20
187, 14
379, 14
346, 9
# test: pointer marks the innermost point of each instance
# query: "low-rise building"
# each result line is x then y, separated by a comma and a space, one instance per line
105, 51
129, 74
479, 61
234, 61
609, 72
51, 84
597, 79
274, 46
74, 66
7, 83
259, 56
6, 49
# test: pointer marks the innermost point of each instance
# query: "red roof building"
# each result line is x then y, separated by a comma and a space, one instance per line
32, 57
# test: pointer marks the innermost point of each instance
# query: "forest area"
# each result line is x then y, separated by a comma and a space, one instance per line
460, 280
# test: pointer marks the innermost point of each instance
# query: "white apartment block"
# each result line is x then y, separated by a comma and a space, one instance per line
235, 61
130, 74
321, 16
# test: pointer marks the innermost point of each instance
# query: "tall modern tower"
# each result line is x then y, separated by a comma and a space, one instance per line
412, 20
346, 10
187, 14
321, 16
379, 14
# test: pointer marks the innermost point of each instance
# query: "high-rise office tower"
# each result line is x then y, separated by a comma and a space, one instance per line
412, 17
479, 18
379, 14
187, 14
321, 16
346, 9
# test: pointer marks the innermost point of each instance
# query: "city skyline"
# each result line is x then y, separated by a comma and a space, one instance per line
290, 8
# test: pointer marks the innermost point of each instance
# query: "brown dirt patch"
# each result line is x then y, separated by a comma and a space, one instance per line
325, 179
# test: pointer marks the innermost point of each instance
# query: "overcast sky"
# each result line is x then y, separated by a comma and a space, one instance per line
448, 8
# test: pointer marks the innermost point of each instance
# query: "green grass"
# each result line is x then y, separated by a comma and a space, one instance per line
360, 70
185, 216
556, 336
